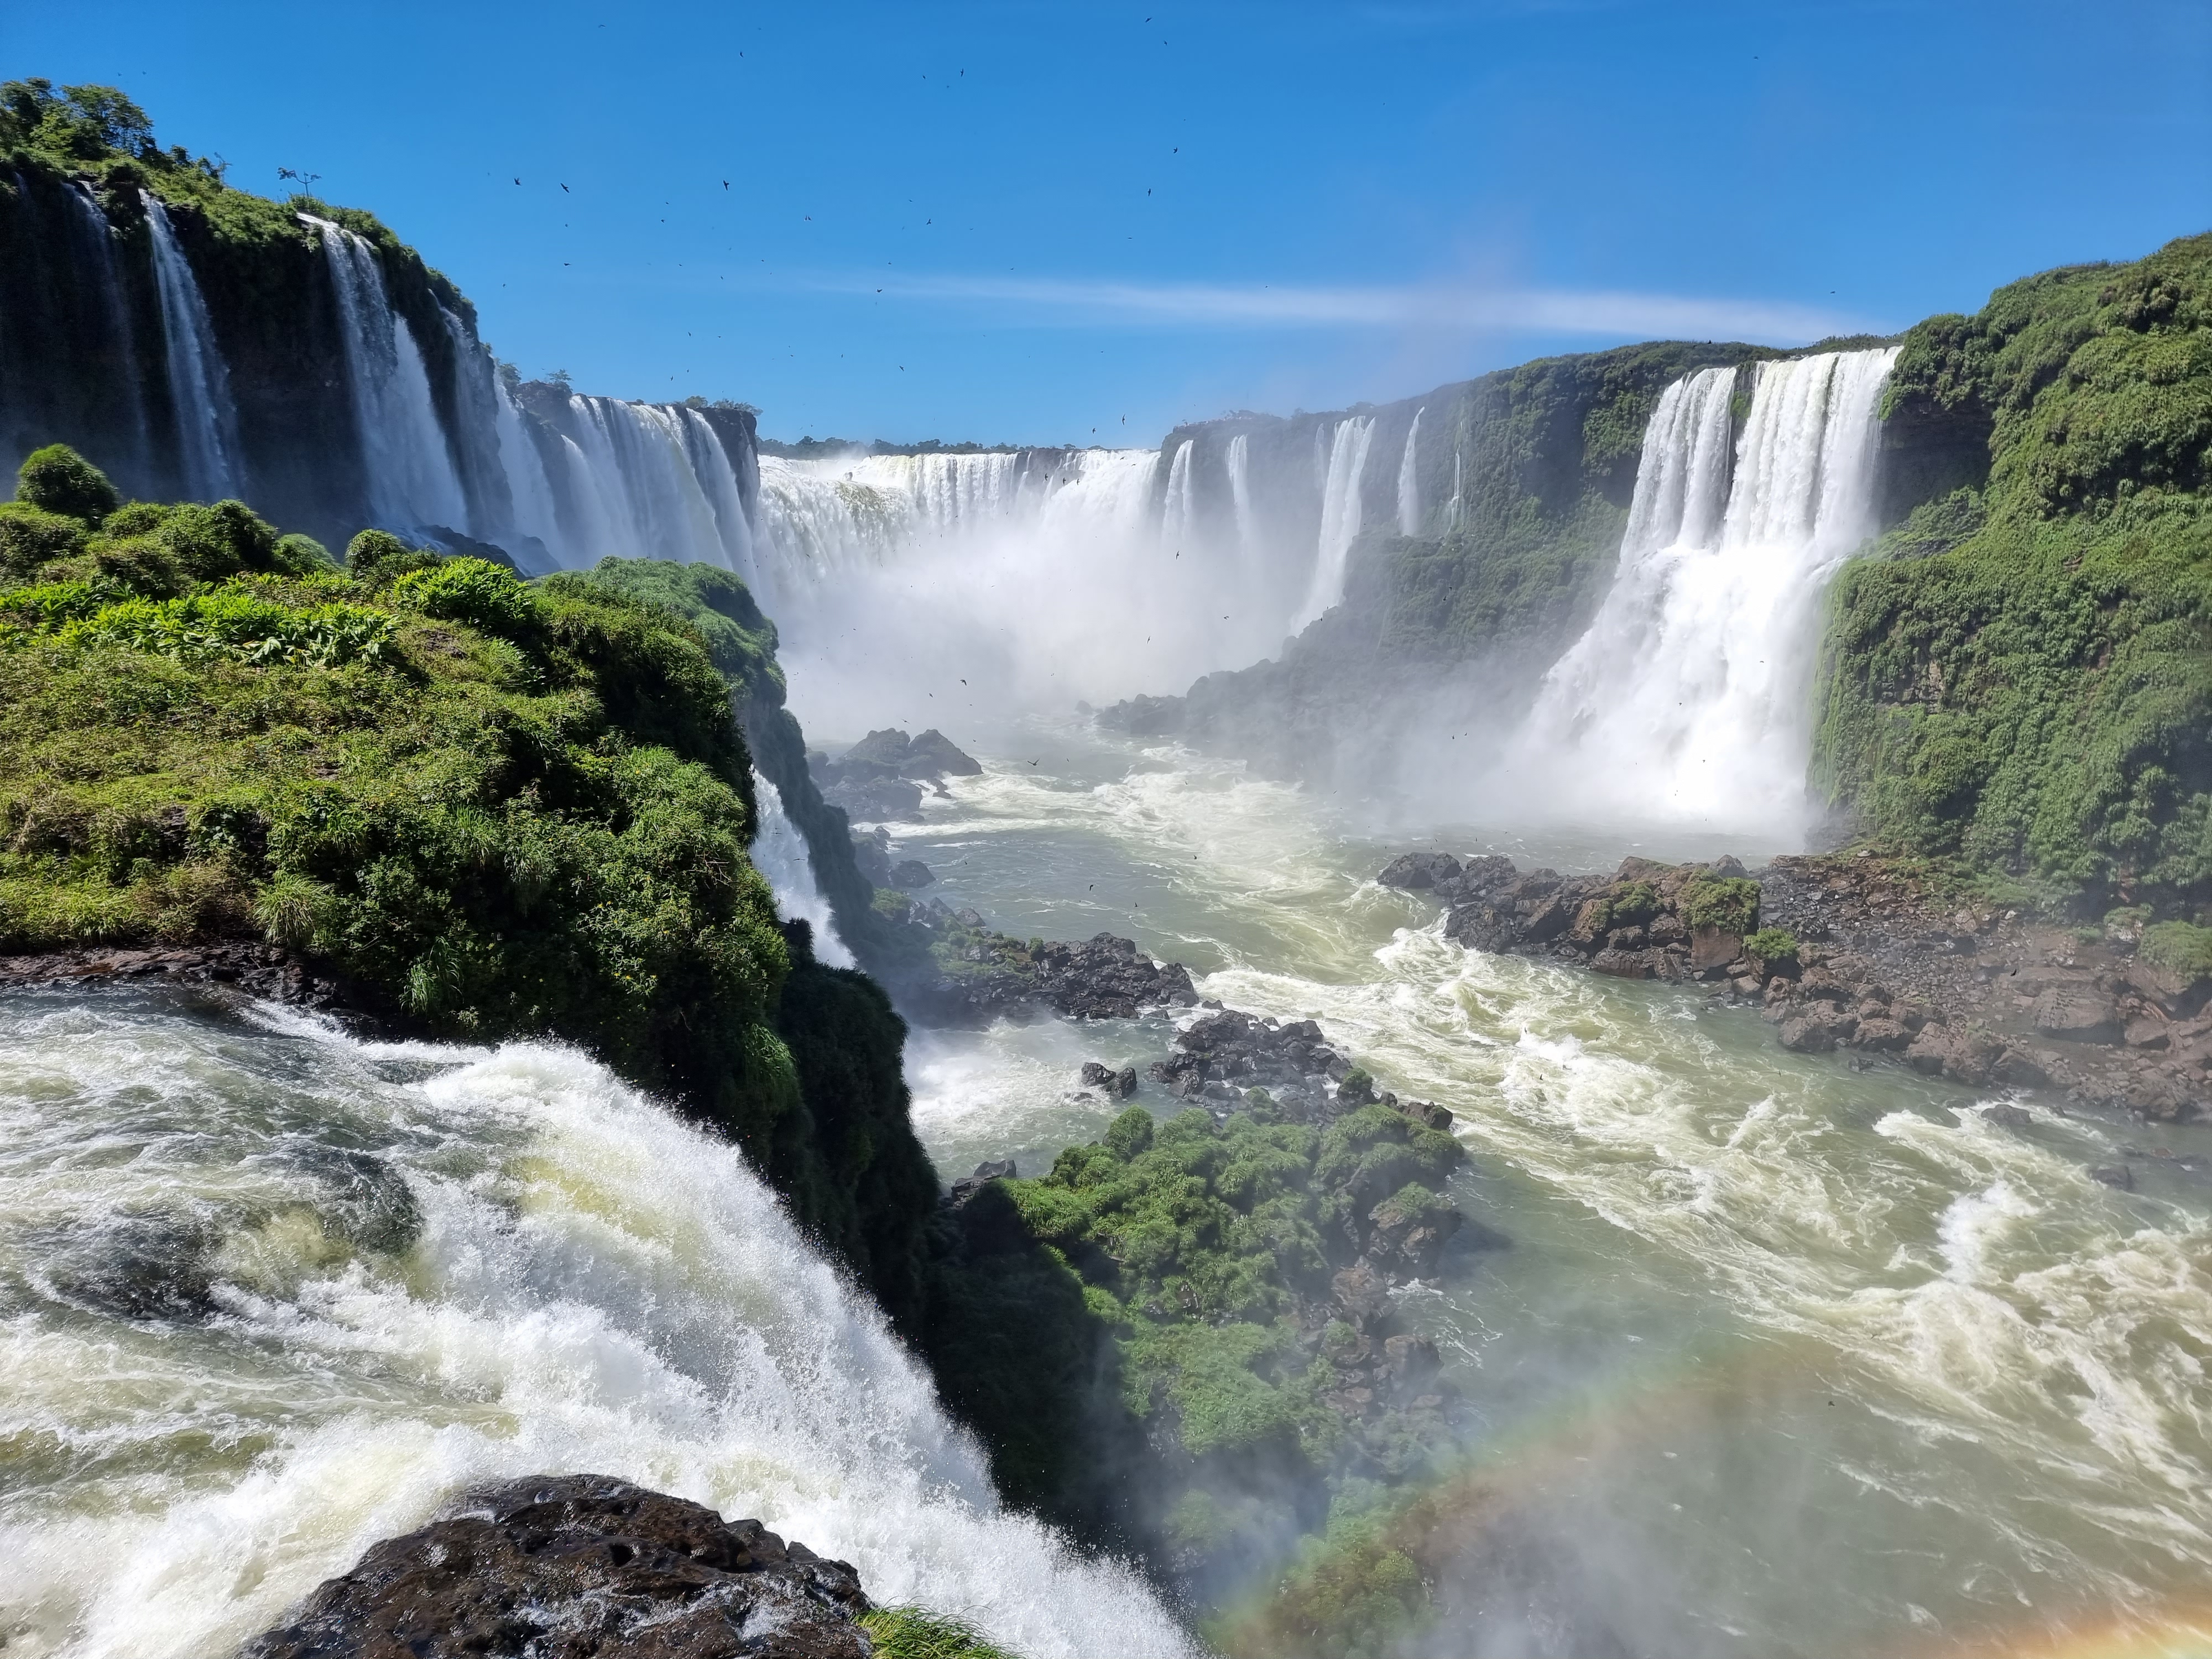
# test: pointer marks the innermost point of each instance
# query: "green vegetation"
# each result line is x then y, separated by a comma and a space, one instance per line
497, 808
1728, 903
1772, 945
2020, 680
2180, 947
917, 1633
1133, 1333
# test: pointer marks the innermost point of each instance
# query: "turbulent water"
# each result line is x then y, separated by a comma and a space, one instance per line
779, 853
1786, 1359
268, 1294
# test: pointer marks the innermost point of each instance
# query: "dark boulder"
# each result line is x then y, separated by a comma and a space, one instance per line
933, 755
911, 874
579, 1566
1420, 869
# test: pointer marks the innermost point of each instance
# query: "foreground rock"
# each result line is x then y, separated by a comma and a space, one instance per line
1849, 953
579, 1566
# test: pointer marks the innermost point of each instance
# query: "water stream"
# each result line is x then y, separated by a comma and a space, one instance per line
1786, 1358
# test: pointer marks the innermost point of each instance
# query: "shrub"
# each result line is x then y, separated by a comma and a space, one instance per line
1771, 945
58, 480
2180, 947
472, 590
31, 537
1728, 903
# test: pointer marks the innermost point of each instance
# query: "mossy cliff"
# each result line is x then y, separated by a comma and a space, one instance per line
498, 809
2019, 677
81, 336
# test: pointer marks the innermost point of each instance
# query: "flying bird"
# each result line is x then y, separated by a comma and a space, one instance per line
518, 181
564, 187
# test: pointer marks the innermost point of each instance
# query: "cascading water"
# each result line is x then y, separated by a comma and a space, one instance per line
1339, 513
272, 1294
1685, 699
118, 345
1239, 464
1409, 486
652, 481
199, 384
1178, 518
779, 855
411, 480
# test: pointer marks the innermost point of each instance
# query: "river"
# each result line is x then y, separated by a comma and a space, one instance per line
1787, 1357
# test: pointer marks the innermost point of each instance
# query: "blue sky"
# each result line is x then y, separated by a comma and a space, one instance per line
1026, 223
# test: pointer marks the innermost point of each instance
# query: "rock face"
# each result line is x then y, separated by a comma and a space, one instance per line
267, 971
579, 1566
1220, 1055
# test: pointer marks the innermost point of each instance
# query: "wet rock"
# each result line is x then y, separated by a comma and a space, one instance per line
2115, 1175
2008, 1117
967, 1186
579, 1566
1116, 1086
1416, 871
876, 800
932, 755
911, 875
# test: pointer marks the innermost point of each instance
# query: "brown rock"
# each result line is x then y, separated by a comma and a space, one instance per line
1623, 965
2076, 1014
1711, 948
1882, 1035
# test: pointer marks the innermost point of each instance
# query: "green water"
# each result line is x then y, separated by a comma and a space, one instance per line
1788, 1358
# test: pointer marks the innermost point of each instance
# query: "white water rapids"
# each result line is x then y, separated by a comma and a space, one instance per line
1786, 1359
268, 1294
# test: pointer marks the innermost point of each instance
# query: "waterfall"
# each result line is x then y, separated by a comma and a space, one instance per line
1339, 515
199, 384
1409, 488
1240, 493
650, 481
1686, 699
1455, 503
305, 1289
1176, 518
412, 481
1682, 475
530, 492
779, 855
117, 361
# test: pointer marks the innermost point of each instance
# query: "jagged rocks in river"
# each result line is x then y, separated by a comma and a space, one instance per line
579, 1566
909, 875
982, 973
1881, 966
875, 800
1118, 1086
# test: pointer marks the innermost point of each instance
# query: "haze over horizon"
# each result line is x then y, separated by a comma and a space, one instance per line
1004, 226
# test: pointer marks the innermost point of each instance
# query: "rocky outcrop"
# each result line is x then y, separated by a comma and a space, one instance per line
1865, 958
245, 967
981, 974
881, 777
579, 1566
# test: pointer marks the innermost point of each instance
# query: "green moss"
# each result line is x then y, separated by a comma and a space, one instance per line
1728, 903
1771, 945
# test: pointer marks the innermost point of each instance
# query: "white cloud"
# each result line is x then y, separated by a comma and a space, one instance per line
1623, 314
